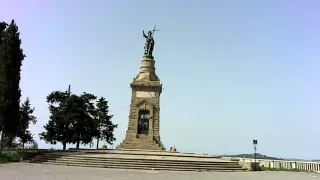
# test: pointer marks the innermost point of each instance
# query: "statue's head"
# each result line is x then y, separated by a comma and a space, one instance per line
149, 33
3, 25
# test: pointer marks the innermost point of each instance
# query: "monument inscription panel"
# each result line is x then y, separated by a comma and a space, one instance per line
145, 94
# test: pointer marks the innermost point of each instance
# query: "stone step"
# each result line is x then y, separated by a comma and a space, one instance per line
142, 141
146, 161
138, 160
132, 146
142, 144
154, 165
146, 153
129, 153
147, 157
141, 166
129, 146
148, 168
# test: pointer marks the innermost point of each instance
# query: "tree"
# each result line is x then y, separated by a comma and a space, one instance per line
11, 57
3, 26
71, 119
32, 145
82, 122
26, 117
104, 125
58, 126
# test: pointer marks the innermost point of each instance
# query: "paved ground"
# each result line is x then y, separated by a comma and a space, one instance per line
24, 171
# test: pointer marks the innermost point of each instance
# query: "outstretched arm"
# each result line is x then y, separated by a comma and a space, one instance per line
3, 26
144, 35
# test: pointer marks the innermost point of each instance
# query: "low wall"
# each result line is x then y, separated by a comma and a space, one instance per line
282, 164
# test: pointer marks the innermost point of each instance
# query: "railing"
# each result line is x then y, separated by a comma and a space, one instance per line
283, 164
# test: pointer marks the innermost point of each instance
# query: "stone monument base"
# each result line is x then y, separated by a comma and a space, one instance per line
141, 142
139, 159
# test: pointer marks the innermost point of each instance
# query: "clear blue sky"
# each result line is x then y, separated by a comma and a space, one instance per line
232, 70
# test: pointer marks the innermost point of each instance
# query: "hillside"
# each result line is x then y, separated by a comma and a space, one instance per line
258, 156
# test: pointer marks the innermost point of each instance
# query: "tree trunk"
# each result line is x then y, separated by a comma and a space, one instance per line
78, 140
1, 141
64, 144
9, 142
78, 144
97, 143
98, 135
21, 155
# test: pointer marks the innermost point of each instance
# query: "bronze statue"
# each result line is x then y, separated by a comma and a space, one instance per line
148, 47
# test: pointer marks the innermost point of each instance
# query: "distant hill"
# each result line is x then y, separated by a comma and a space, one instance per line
261, 156
258, 156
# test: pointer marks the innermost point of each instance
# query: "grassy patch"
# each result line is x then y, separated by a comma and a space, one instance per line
3, 160
15, 155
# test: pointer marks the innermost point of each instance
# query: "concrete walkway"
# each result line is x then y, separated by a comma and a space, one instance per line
25, 171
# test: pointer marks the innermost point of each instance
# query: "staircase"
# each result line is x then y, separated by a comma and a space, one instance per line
141, 142
143, 160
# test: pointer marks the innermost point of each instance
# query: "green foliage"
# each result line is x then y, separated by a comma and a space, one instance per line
10, 156
11, 57
26, 117
82, 122
32, 145
73, 119
3, 160
58, 127
76, 120
105, 127
16, 155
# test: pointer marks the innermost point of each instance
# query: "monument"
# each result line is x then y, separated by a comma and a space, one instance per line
143, 134
144, 118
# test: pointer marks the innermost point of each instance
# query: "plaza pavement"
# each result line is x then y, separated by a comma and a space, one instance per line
25, 171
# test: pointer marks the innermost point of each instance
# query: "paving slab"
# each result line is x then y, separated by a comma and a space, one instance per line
25, 171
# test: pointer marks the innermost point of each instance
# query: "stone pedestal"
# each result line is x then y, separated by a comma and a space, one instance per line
144, 119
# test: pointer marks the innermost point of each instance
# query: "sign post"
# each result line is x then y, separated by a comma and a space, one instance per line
255, 143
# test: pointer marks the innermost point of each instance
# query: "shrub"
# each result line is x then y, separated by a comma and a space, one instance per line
3, 159
10, 156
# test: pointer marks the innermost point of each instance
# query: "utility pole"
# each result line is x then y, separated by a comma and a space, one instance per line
255, 143
67, 125
1, 139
